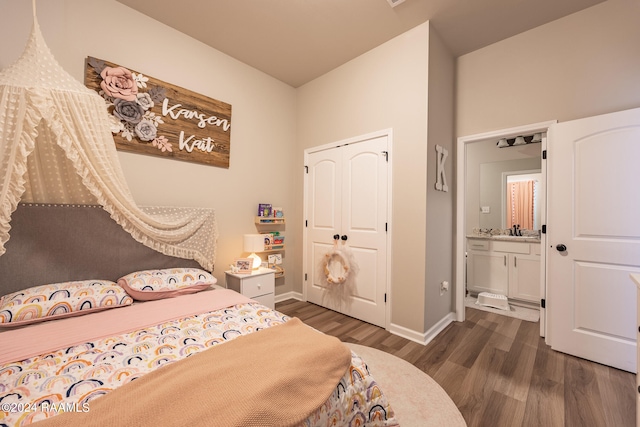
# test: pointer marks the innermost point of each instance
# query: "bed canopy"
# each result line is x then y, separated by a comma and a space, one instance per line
56, 147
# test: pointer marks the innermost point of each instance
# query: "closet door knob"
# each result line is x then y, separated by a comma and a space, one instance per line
561, 247
336, 236
344, 237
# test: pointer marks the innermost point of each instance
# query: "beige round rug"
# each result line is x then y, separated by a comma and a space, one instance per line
414, 396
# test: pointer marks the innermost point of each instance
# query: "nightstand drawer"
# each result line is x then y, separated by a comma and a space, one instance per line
266, 300
258, 285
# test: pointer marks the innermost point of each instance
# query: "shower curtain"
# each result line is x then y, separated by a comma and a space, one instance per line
520, 204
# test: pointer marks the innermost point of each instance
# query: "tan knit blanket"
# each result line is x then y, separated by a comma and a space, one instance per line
274, 377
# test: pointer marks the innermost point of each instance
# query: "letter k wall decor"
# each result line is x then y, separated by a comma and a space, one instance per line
441, 178
153, 117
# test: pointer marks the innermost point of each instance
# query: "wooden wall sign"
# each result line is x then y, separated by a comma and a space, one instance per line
154, 117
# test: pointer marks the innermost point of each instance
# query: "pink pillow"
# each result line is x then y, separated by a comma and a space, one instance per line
58, 300
149, 285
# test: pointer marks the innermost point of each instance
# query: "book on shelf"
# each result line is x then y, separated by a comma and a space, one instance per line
273, 240
269, 220
264, 209
268, 240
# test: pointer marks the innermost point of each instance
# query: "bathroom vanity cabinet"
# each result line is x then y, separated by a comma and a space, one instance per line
506, 266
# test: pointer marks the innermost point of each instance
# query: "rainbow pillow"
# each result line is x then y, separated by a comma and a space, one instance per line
149, 285
58, 300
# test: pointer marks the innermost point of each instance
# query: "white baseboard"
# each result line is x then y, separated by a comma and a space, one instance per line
409, 334
439, 327
288, 295
423, 338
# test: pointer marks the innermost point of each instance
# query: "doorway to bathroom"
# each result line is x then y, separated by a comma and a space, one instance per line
485, 246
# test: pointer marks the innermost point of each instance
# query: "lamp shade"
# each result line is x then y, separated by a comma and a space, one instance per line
253, 243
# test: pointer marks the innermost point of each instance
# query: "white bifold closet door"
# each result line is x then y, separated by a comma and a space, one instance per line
346, 195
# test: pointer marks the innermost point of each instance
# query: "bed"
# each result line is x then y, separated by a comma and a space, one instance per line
184, 356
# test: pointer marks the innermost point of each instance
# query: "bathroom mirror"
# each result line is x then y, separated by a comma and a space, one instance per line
485, 165
493, 189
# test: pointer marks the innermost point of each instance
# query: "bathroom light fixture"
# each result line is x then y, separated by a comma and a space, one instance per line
519, 140
254, 243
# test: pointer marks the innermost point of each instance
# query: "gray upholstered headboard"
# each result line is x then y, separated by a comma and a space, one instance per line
58, 243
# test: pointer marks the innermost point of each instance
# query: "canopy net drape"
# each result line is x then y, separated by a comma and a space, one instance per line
56, 146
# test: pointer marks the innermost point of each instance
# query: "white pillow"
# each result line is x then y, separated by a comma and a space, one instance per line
57, 300
168, 283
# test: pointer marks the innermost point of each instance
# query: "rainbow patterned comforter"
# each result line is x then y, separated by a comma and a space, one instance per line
69, 378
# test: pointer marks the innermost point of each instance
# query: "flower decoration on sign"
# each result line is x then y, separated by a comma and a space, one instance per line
130, 100
118, 83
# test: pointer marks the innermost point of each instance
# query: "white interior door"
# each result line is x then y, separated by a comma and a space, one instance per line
346, 195
594, 213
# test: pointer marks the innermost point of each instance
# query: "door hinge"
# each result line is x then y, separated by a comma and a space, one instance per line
306, 223
386, 227
386, 155
544, 229
544, 154
305, 277
306, 169
543, 303
385, 297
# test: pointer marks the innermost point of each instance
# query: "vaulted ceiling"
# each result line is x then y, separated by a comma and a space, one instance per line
296, 41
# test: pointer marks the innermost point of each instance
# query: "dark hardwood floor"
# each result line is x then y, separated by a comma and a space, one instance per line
498, 370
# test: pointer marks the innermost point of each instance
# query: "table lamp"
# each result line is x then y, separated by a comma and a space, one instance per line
254, 243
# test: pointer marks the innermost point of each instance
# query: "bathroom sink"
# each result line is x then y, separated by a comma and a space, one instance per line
503, 234
508, 238
516, 238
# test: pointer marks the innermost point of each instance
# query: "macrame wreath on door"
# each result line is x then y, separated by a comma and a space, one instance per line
338, 271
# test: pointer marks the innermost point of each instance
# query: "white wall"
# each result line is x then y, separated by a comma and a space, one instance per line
384, 88
440, 205
578, 66
263, 110
582, 65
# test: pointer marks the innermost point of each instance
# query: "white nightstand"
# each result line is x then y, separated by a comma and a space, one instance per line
260, 285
